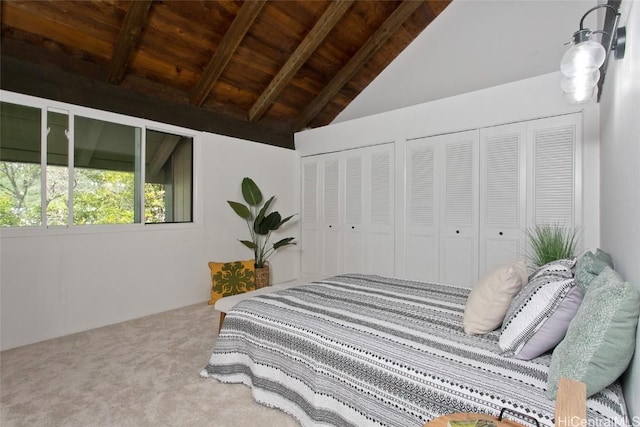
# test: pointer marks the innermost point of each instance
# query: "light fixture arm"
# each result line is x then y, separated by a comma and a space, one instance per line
617, 38
596, 8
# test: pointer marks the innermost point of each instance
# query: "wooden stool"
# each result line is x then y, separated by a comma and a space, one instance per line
461, 416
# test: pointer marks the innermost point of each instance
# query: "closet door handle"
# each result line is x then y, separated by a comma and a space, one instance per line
457, 231
501, 233
353, 227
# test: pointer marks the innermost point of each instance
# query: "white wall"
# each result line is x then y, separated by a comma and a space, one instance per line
523, 100
276, 171
620, 172
472, 45
55, 283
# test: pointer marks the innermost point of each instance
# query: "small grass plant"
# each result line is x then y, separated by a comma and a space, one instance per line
550, 242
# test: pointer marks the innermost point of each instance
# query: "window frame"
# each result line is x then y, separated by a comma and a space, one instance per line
144, 124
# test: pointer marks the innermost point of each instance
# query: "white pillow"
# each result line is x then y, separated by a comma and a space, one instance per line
491, 297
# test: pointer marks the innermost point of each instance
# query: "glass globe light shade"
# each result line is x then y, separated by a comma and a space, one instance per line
582, 58
581, 96
580, 81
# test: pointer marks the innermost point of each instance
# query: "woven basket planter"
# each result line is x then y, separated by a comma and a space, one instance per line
262, 276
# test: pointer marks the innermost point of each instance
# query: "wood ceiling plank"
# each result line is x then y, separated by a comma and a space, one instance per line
128, 38
185, 33
239, 27
145, 65
437, 6
323, 26
375, 42
101, 20
64, 35
273, 37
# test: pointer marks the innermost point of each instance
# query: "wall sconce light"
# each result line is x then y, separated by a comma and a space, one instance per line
584, 65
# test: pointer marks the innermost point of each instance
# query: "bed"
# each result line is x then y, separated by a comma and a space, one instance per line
362, 350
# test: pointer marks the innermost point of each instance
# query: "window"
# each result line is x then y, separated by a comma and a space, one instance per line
57, 170
94, 170
20, 173
106, 157
169, 178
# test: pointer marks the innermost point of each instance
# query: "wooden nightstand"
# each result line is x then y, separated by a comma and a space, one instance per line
442, 421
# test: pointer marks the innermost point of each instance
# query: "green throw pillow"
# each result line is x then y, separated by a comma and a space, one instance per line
603, 256
589, 266
600, 340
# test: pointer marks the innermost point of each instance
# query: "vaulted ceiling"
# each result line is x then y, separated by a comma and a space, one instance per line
258, 70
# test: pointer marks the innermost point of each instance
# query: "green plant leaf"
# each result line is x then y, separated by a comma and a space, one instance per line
251, 192
269, 223
263, 211
259, 227
550, 242
272, 221
249, 244
285, 220
284, 242
240, 209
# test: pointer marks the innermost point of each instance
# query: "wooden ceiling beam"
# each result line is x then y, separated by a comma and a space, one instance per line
373, 44
43, 56
320, 30
230, 42
52, 82
127, 39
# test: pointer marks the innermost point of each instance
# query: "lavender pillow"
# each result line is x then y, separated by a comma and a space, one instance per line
553, 330
539, 316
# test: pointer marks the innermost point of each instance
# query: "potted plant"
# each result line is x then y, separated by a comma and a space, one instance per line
261, 224
550, 242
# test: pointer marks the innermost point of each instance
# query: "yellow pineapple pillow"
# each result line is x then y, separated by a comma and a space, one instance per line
231, 278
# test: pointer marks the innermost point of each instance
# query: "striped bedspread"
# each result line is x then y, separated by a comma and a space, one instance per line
357, 350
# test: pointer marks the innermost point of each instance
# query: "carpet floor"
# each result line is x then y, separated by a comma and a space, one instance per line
143, 372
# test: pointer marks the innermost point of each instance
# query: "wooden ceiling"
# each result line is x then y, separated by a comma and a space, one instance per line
257, 70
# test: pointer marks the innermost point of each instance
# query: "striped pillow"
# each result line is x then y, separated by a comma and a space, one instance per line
559, 267
539, 316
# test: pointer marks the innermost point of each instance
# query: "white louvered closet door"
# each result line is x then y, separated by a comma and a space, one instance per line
459, 208
379, 207
354, 231
332, 222
553, 189
311, 238
503, 195
421, 211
